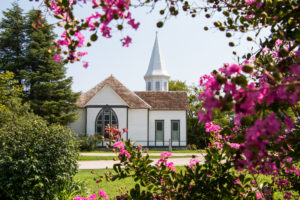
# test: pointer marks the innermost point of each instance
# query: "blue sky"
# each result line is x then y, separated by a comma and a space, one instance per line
189, 51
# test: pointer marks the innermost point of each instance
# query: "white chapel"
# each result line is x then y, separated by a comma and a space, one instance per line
152, 117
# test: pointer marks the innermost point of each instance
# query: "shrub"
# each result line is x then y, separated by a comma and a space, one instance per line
37, 161
88, 142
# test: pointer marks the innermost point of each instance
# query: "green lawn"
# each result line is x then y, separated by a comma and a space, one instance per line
112, 188
90, 158
153, 151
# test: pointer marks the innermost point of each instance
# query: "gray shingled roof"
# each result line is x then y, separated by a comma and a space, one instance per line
172, 100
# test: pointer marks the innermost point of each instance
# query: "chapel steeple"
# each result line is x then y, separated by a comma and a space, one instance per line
156, 77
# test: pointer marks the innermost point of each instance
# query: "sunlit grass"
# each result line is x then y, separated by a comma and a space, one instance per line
90, 158
151, 151
113, 188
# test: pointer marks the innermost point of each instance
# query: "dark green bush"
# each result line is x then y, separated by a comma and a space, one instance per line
37, 161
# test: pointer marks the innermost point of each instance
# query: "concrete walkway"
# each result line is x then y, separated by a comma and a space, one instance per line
102, 164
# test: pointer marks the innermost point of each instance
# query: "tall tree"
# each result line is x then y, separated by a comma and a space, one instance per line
46, 87
13, 42
50, 94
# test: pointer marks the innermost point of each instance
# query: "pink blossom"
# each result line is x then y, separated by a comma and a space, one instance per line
278, 42
161, 180
287, 195
85, 64
249, 16
231, 69
80, 37
258, 195
57, 58
208, 175
259, 4
134, 25
211, 128
118, 145
126, 41
248, 2
289, 159
170, 166
95, 3
166, 155
235, 145
103, 194
105, 30
80, 198
193, 162
123, 151
238, 182
92, 197
161, 161
79, 53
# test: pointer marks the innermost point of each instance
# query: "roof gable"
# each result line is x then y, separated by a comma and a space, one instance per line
130, 98
106, 95
173, 100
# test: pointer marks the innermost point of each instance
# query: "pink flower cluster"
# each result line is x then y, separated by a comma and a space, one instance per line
211, 128
119, 145
193, 162
102, 195
166, 155
163, 161
230, 85
114, 132
101, 20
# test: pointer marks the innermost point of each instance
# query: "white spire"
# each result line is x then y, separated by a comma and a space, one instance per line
156, 66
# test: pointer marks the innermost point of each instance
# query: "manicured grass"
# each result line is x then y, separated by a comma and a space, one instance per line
116, 187
111, 188
89, 158
153, 151
179, 151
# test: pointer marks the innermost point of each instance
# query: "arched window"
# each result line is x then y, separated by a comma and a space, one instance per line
106, 116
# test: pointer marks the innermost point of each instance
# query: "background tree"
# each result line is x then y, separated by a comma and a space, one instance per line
176, 85
196, 134
13, 42
9, 89
50, 93
30, 56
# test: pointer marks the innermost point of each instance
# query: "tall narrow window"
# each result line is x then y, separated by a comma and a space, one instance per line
159, 130
175, 130
106, 116
149, 86
157, 86
165, 86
